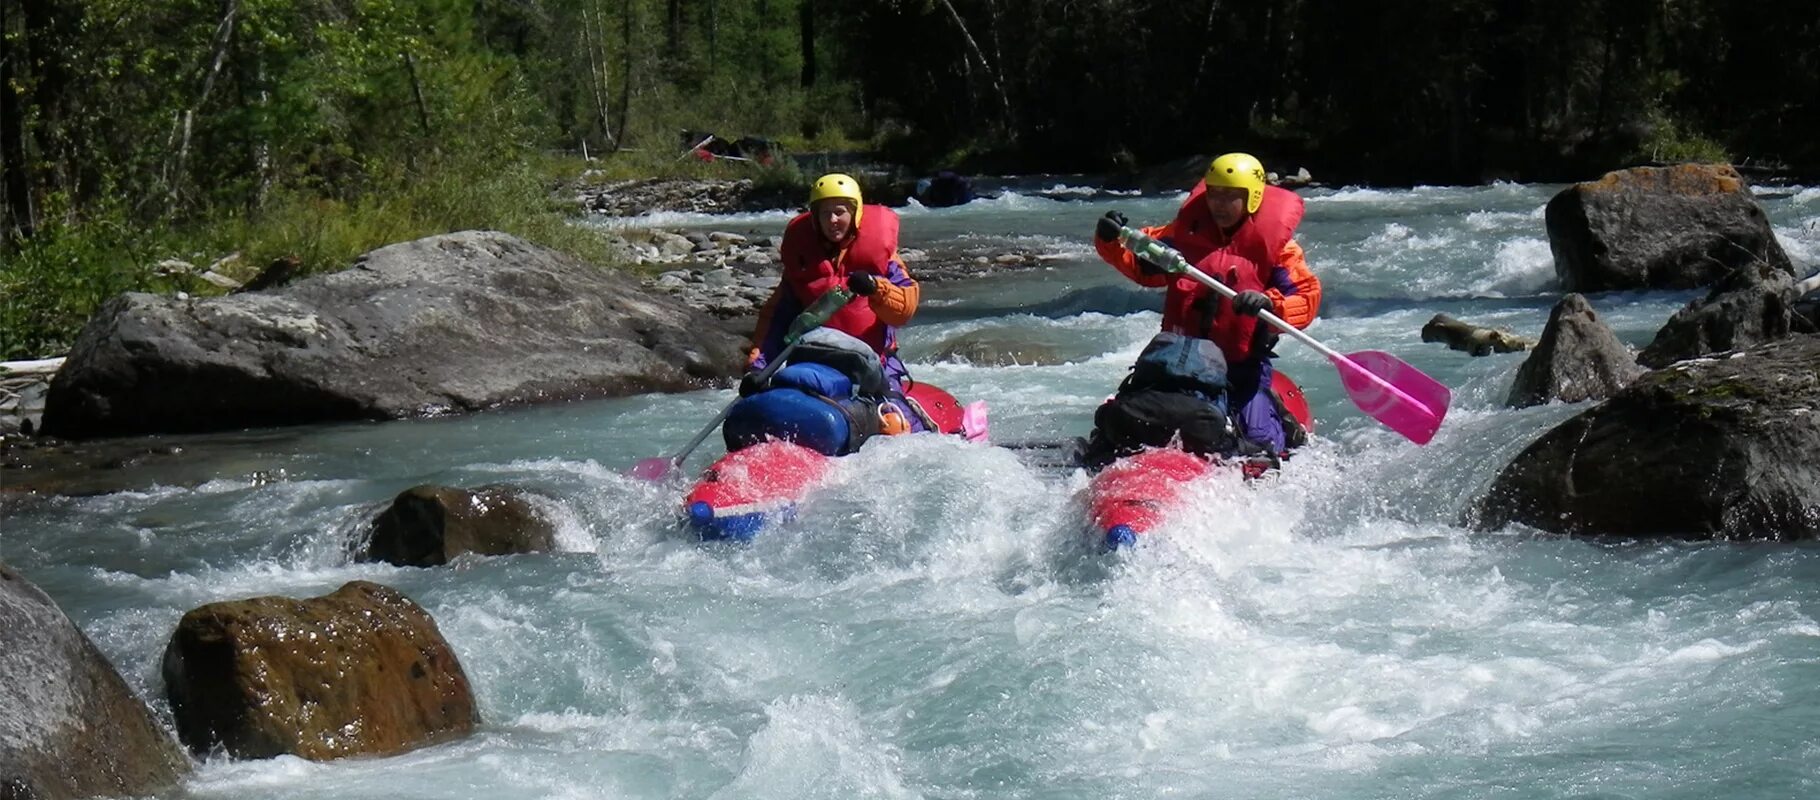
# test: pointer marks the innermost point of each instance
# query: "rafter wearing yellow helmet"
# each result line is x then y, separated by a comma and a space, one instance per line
1239, 171
1232, 224
838, 186
826, 247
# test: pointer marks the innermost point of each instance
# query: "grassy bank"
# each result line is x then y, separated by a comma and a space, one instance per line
53, 281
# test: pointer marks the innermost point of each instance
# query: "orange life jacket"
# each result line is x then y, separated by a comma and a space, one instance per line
810, 270
1242, 261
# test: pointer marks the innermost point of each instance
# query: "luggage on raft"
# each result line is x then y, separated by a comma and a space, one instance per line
822, 407
810, 405
1139, 488
827, 402
787, 439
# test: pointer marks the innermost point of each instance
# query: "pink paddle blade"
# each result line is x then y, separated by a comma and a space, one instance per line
655, 469
1402, 397
973, 421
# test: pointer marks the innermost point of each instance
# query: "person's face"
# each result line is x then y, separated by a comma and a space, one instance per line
835, 216
1226, 204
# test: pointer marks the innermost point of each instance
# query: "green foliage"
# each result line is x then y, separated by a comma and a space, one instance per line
326, 234
52, 283
193, 129
1672, 142
138, 131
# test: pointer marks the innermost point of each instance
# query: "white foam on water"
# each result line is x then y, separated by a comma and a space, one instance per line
817, 746
1521, 266
1352, 194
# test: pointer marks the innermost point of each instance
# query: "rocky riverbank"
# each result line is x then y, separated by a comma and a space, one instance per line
729, 275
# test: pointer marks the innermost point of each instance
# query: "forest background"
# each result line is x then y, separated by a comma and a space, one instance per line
133, 132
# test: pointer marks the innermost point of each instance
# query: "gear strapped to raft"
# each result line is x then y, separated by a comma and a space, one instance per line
842, 373
1176, 396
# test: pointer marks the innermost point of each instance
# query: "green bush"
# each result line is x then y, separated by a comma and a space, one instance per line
56, 279
1671, 142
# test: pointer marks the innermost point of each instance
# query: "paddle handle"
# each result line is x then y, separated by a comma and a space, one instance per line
815, 316
1162, 255
680, 457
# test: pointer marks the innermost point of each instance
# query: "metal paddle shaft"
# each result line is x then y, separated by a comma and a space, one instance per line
1388, 388
818, 314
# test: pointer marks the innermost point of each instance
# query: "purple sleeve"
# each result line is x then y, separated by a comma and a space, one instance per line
772, 343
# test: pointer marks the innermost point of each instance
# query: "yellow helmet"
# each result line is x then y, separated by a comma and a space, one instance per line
835, 185
1239, 171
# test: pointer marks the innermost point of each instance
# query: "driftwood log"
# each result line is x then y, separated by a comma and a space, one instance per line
1479, 341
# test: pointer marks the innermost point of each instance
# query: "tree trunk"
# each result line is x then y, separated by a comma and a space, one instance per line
18, 220
673, 29
807, 18
224, 33
423, 109
593, 39
1200, 65
625, 81
49, 24
992, 73
1605, 74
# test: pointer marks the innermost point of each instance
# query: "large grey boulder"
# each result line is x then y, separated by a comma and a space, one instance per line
457, 322
1752, 305
1658, 228
1711, 448
1578, 358
69, 725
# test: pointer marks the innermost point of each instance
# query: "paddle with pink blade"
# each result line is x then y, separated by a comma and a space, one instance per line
662, 468
1383, 386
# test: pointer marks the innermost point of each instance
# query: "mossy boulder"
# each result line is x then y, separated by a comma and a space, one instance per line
1720, 447
1751, 305
1674, 227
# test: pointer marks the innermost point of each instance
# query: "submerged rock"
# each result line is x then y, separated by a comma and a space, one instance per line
69, 725
362, 671
1711, 448
458, 322
1578, 358
996, 347
428, 526
1658, 228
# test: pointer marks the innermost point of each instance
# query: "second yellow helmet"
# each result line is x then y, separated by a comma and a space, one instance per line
1239, 171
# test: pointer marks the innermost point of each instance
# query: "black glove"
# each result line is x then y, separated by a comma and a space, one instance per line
1107, 229
1250, 302
752, 384
1148, 268
862, 284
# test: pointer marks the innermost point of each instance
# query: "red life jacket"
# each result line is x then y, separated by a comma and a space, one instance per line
1242, 261
809, 269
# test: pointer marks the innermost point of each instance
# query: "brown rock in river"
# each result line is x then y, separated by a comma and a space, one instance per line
428, 526
362, 671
